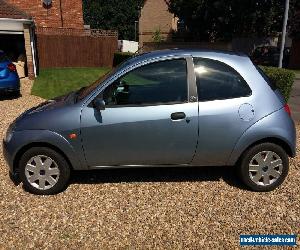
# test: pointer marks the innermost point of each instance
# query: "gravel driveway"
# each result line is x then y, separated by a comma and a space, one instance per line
144, 208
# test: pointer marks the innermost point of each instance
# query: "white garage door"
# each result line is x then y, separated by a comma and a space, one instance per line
11, 27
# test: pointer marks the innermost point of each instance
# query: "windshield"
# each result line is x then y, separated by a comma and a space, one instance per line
85, 91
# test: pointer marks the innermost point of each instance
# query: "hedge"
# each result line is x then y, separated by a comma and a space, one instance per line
120, 57
282, 78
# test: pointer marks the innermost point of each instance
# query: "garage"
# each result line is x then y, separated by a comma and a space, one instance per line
14, 47
17, 39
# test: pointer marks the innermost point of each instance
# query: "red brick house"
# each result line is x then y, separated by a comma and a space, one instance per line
20, 20
59, 13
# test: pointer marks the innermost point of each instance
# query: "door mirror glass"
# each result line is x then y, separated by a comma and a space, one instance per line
99, 104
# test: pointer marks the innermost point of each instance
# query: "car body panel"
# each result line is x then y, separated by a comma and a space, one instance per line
4, 72
9, 81
51, 122
139, 135
277, 125
220, 126
215, 133
23, 138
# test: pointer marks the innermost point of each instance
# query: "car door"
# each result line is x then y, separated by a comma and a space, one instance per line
150, 117
226, 110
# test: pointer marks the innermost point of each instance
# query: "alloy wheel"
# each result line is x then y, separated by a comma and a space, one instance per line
265, 168
42, 172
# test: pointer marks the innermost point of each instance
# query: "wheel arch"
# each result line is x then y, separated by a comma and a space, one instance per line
284, 145
22, 150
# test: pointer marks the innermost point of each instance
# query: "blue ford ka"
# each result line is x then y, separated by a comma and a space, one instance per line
166, 108
9, 79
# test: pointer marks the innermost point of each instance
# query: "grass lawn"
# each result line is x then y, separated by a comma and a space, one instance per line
58, 81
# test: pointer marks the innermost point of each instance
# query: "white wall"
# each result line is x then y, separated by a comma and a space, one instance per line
128, 46
8, 26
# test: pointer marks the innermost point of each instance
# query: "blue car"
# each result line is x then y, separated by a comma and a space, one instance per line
166, 108
9, 79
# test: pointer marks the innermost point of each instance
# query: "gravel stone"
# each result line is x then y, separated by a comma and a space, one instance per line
172, 208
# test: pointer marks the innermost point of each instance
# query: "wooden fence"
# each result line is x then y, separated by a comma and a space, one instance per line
75, 51
75, 32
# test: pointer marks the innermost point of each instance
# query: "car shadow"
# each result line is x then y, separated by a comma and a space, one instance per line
158, 174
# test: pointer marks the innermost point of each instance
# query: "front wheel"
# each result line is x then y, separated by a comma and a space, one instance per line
264, 167
43, 171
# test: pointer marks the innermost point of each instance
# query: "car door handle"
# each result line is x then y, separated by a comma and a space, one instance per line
178, 116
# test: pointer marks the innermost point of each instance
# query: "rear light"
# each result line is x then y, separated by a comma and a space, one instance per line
11, 67
287, 109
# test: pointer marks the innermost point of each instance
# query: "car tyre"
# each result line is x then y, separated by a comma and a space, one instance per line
264, 167
43, 171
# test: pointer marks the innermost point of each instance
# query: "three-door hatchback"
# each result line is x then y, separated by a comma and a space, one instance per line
165, 108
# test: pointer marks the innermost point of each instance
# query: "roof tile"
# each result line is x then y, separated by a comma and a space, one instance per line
10, 11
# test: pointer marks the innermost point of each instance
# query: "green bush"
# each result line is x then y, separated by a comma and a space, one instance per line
282, 78
120, 57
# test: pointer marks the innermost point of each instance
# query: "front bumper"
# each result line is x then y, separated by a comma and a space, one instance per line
7, 153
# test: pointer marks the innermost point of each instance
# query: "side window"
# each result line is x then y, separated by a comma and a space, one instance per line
218, 81
156, 83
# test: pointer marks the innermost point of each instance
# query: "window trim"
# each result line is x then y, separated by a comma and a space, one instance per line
220, 62
191, 82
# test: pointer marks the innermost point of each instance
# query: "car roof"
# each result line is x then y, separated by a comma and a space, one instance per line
185, 52
240, 62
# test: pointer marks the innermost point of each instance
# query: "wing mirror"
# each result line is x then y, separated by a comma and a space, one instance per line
99, 104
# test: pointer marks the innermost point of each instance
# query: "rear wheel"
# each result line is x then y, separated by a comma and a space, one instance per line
264, 167
43, 171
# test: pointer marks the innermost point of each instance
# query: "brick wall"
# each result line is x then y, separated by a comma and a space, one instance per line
71, 10
155, 15
29, 58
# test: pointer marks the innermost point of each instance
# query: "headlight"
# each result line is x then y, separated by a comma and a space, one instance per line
9, 133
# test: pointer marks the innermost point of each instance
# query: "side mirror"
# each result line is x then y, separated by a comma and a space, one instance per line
99, 104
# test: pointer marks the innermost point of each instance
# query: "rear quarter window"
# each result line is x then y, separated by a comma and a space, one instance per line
218, 81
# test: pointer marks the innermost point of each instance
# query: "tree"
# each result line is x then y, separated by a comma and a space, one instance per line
213, 20
294, 20
113, 15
